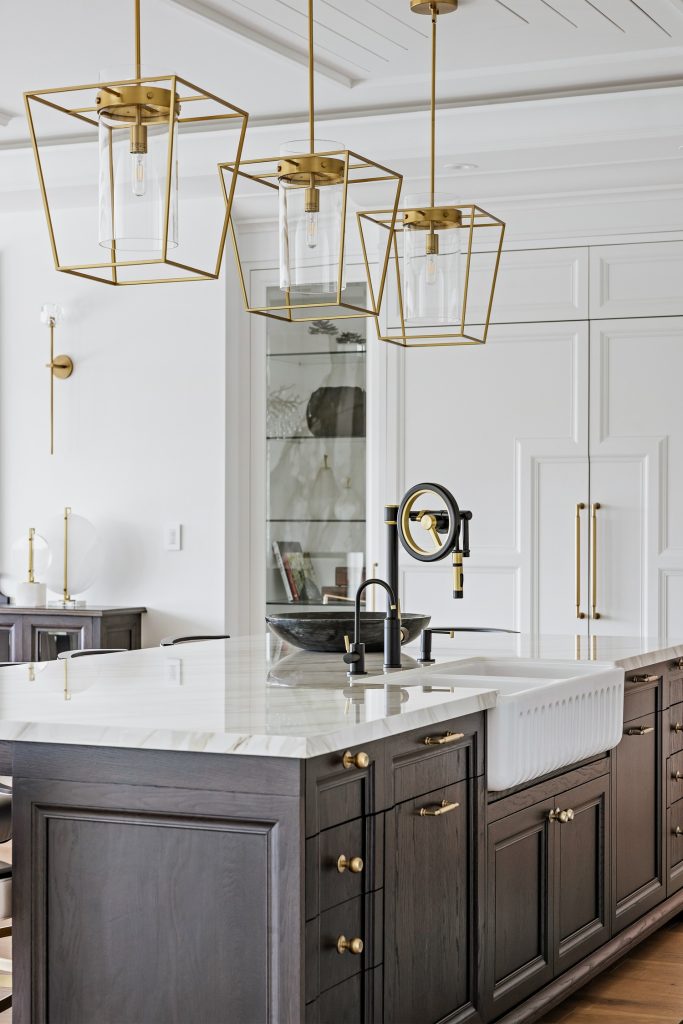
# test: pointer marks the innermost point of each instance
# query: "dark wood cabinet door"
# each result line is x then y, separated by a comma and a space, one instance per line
519, 936
639, 881
428, 966
582, 873
675, 847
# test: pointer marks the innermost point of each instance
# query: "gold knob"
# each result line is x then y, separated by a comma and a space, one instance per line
355, 865
678, 832
678, 727
354, 946
359, 760
563, 817
678, 776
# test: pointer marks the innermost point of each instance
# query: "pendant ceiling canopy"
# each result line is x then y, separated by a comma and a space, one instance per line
142, 235
444, 254
314, 187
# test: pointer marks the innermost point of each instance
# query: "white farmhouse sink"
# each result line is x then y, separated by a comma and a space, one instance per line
549, 714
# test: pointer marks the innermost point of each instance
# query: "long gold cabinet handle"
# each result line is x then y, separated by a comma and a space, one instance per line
359, 760
354, 864
449, 737
580, 506
644, 679
595, 614
434, 812
345, 945
562, 817
677, 665
640, 730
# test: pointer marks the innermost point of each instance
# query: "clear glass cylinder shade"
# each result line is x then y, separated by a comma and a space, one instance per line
311, 261
431, 280
132, 189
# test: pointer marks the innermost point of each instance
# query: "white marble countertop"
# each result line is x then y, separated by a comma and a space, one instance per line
257, 695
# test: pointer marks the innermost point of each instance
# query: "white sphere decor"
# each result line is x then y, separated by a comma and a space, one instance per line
83, 555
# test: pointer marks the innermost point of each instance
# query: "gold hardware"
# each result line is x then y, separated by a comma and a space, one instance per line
678, 832
595, 614
61, 367
678, 727
580, 506
430, 218
347, 644
427, 6
345, 945
563, 817
640, 730
678, 664
31, 575
644, 679
434, 812
677, 776
355, 864
66, 595
427, 522
449, 737
135, 103
310, 167
359, 760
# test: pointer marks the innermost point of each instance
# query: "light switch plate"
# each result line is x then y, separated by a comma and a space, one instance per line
173, 537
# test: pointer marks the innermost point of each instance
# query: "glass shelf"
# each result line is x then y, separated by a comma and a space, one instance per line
315, 512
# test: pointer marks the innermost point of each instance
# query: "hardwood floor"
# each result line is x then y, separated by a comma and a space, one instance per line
644, 988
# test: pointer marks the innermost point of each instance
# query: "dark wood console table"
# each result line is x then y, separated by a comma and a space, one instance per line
40, 634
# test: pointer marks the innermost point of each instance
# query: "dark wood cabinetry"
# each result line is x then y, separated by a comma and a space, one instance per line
40, 634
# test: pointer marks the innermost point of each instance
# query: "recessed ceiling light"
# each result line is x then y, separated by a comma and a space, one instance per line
462, 167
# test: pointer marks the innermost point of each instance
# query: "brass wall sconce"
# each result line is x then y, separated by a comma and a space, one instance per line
59, 366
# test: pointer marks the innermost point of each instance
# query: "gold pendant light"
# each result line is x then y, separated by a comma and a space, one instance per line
311, 186
444, 254
137, 119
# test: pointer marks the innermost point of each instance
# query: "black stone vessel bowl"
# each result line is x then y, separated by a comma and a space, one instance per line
325, 631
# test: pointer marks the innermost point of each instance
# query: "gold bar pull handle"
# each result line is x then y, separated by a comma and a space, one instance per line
434, 812
640, 730
644, 679
449, 737
595, 614
580, 506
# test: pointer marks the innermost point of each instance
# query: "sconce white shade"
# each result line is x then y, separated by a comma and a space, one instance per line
50, 311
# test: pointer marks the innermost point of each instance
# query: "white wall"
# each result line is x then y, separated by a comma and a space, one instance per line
140, 426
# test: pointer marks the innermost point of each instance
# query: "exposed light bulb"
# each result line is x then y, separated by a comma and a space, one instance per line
312, 230
139, 177
431, 269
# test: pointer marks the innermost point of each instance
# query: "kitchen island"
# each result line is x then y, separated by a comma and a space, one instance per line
231, 831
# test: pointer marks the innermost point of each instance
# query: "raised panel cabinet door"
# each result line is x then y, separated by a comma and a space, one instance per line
675, 847
582, 872
533, 285
639, 881
637, 280
636, 487
429, 964
519, 928
512, 445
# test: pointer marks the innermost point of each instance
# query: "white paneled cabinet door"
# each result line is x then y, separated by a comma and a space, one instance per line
636, 476
505, 428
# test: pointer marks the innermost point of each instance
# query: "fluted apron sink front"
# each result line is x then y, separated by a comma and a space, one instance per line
549, 714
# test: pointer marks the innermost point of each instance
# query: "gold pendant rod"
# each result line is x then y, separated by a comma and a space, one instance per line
52, 386
311, 79
435, 15
138, 62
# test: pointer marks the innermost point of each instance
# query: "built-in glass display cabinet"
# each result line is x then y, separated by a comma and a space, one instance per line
315, 458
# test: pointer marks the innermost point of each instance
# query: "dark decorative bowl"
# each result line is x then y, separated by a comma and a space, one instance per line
325, 631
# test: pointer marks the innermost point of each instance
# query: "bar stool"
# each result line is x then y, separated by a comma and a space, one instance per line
67, 655
5, 886
171, 641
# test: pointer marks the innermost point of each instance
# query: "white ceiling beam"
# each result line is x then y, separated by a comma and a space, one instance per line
262, 39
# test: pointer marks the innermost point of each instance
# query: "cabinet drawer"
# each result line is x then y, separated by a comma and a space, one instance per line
326, 884
357, 1000
675, 728
336, 793
676, 683
360, 918
641, 699
675, 774
431, 758
674, 820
